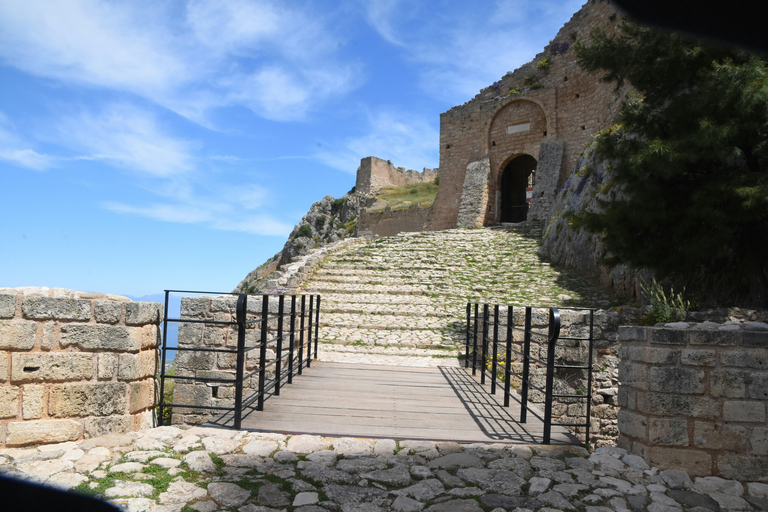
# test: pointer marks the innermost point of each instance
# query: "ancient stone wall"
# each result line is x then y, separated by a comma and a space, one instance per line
549, 99
694, 397
375, 174
391, 221
75, 365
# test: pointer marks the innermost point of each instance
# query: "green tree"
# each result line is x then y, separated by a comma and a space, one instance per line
689, 155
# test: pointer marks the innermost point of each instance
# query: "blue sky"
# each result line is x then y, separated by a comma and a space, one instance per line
147, 145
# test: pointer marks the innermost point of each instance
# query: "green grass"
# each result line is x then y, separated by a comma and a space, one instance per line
425, 193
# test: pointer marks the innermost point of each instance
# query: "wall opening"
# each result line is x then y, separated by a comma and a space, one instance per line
517, 178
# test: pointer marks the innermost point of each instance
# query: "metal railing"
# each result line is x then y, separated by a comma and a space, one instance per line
477, 336
298, 354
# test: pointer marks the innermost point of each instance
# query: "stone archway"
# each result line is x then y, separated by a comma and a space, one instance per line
516, 178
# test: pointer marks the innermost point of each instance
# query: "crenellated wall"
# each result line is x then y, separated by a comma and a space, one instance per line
75, 365
375, 174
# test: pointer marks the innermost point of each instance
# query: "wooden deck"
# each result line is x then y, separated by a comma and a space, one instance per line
441, 404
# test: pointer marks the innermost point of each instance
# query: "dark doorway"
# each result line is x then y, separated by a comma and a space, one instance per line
517, 177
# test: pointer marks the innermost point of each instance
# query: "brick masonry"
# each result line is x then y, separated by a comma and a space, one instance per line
694, 397
75, 365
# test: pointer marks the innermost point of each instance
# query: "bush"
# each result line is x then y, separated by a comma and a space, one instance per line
543, 64
414, 191
304, 231
337, 205
437, 180
320, 221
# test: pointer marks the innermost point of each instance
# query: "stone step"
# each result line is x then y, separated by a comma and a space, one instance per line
320, 287
373, 298
383, 310
383, 322
385, 337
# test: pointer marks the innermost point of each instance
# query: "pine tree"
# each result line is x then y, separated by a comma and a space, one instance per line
690, 151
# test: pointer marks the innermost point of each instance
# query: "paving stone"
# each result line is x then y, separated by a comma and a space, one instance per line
424, 490
455, 506
227, 494
691, 499
456, 460
128, 489
200, 461
405, 504
261, 447
305, 498
307, 444
181, 492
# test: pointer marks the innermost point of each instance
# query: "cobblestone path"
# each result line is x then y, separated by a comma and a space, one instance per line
406, 295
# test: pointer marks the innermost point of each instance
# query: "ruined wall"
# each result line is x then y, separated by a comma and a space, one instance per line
389, 222
375, 174
75, 365
553, 102
695, 397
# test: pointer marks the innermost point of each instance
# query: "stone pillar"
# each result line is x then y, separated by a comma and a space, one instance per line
547, 175
474, 195
694, 397
75, 365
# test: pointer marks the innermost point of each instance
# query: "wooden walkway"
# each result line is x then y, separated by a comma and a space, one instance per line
440, 404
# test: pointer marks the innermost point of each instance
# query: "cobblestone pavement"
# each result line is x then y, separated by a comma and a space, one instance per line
167, 469
411, 290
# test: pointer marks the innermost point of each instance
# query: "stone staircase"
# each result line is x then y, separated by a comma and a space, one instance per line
404, 297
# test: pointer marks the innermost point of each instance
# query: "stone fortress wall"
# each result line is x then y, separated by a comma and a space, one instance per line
75, 365
375, 174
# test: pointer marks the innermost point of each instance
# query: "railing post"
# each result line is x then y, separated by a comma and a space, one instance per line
485, 343
589, 371
291, 339
317, 323
240, 314
554, 332
263, 351
279, 360
508, 361
495, 347
161, 405
466, 338
474, 342
309, 331
526, 366
301, 333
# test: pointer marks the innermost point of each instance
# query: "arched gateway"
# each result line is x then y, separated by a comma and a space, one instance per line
517, 180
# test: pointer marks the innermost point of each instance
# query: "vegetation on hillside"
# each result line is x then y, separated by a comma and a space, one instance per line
690, 155
421, 193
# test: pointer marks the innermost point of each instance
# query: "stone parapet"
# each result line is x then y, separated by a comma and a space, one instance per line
74, 365
693, 396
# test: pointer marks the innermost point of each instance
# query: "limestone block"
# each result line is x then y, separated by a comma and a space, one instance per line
141, 313
101, 337
32, 401
142, 395
52, 308
668, 431
664, 404
632, 424
743, 411
194, 307
7, 304
631, 332
51, 367
707, 337
754, 338
107, 311
9, 402
150, 336
191, 394
746, 358
103, 426
633, 374
547, 175
474, 197
694, 462
758, 386
677, 380
195, 360
696, 357
135, 367
43, 432
3, 367
101, 399
718, 436
49, 338
107, 363
17, 334
654, 355
758, 440
666, 336
728, 383
190, 335
742, 467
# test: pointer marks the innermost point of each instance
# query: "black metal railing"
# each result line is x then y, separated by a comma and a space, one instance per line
272, 333
478, 325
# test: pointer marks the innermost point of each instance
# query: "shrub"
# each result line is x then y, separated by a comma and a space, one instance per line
337, 205
437, 180
543, 64
304, 231
320, 221
664, 308
414, 191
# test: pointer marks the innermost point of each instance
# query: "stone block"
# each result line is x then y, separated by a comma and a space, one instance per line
665, 404
54, 308
7, 305
107, 363
100, 399
195, 360
150, 336
104, 426
627, 397
32, 401
135, 367
719, 436
664, 336
743, 411
3, 367
758, 386
9, 402
694, 462
668, 431
226, 361
631, 424
107, 311
43, 432
707, 337
142, 395
677, 380
745, 358
754, 339
698, 357
742, 467
101, 337
633, 374
728, 383
758, 441
141, 313
51, 367
50, 336
194, 307
17, 334
632, 333
190, 335
191, 394
654, 355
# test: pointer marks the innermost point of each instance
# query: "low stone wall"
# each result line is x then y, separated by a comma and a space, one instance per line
75, 365
393, 221
694, 397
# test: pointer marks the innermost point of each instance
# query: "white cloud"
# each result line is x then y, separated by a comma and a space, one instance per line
232, 24
405, 140
19, 152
